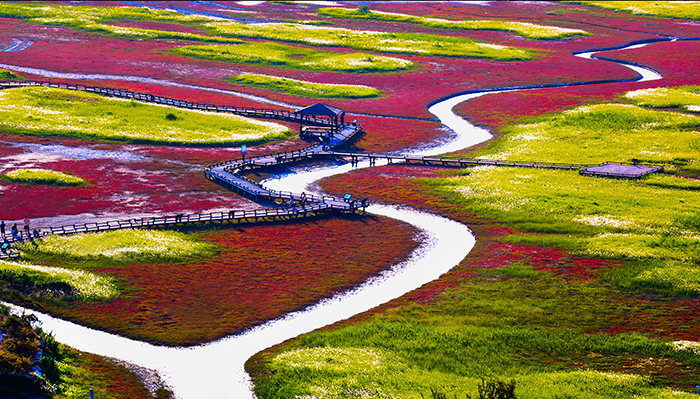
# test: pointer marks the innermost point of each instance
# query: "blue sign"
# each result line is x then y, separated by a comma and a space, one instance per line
243, 149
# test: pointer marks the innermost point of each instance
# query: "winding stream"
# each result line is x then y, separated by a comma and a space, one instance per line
215, 370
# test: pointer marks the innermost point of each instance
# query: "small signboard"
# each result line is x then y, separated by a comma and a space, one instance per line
243, 149
347, 197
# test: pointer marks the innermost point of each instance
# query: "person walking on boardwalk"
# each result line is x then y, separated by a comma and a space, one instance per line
13, 230
26, 226
2, 229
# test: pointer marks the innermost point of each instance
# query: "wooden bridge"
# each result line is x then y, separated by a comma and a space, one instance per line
236, 216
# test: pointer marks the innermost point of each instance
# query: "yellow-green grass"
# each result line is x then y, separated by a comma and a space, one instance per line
9, 75
525, 29
97, 19
43, 111
84, 285
672, 9
398, 42
349, 372
602, 133
118, 245
529, 327
108, 378
43, 177
685, 97
285, 56
305, 89
651, 219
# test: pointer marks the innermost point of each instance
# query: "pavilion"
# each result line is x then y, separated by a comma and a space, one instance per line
335, 116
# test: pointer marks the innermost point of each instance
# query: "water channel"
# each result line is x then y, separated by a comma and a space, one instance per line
215, 370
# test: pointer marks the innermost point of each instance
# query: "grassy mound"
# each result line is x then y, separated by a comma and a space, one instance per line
58, 281
43, 111
525, 29
43, 177
305, 89
99, 19
602, 133
119, 245
8, 75
285, 56
395, 42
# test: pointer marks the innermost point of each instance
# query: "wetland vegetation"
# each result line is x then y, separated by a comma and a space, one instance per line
286, 56
43, 176
43, 111
525, 29
304, 89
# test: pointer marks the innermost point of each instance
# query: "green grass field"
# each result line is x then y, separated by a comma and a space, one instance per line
285, 56
305, 89
398, 42
601, 133
116, 246
34, 111
43, 177
672, 9
525, 29
83, 285
506, 324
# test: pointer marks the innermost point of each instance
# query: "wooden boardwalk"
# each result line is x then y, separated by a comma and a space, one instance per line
229, 173
607, 169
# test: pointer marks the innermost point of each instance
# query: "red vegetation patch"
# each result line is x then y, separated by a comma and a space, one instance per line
111, 377
137, 187
390, 134
262, 272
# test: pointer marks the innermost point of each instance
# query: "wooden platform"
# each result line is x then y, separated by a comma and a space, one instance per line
620, 170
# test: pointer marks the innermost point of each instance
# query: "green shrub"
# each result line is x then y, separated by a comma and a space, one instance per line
7, 75
496, 389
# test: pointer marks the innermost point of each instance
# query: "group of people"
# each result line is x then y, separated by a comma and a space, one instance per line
14, 230
302, 201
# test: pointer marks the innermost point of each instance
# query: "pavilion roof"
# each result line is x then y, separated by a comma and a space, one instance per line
320, 109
